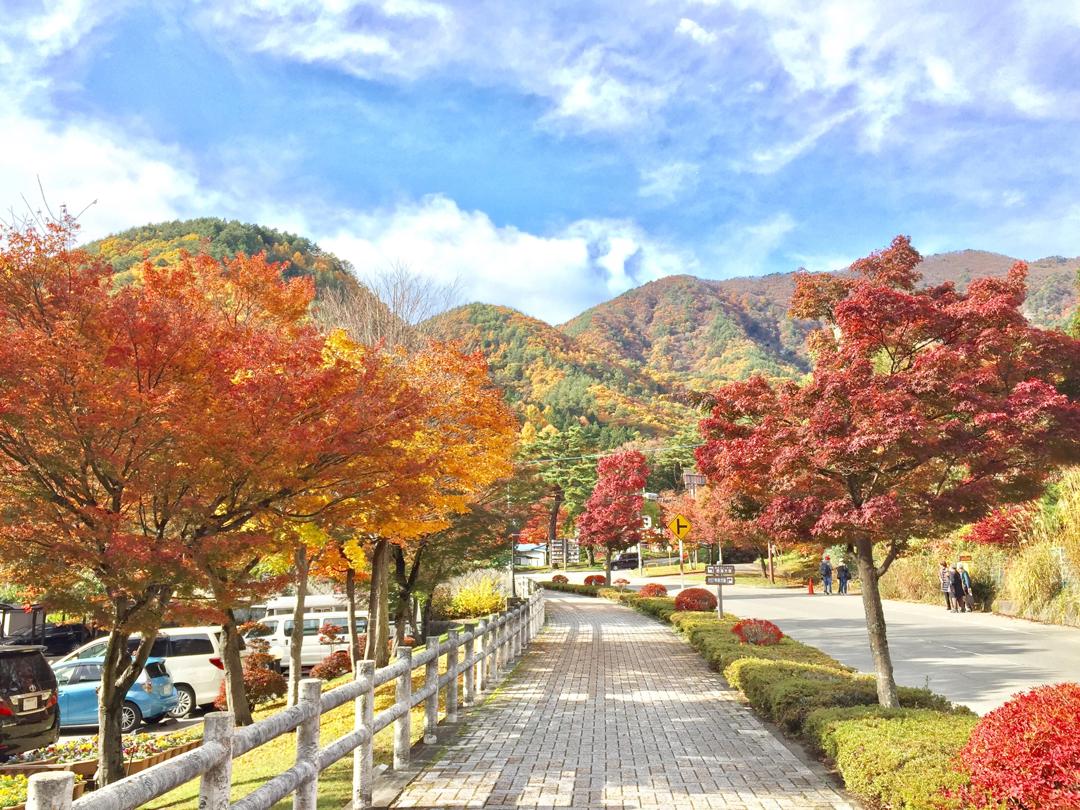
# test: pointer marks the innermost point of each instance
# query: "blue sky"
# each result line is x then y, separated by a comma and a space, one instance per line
551, 155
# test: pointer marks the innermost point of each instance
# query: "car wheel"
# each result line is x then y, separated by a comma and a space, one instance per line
185, 701
130, 717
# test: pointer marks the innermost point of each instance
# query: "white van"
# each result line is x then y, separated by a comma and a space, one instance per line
192, 657
278, 632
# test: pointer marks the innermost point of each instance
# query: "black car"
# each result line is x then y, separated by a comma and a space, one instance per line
58, 639
29, 714
625, 560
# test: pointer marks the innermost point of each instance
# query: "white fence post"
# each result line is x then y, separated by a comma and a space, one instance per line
403, 698
307, 745
50, 791
431, 683
216, 783
481, 654
451, 684
470, 668
363, 756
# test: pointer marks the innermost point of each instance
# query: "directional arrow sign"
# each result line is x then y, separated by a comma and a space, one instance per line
718, 580
719, 569
680, 527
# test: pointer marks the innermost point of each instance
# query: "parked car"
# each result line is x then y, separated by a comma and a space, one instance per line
29, 716
192, 657
278, 633
628, 559
150, 699
58, 639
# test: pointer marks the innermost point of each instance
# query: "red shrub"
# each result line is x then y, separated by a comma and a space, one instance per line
653, 589
695, 599
1027, 753
560, 579
334, 665
757, 631
595, 579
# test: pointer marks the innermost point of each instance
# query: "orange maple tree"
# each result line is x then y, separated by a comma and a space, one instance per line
151, 435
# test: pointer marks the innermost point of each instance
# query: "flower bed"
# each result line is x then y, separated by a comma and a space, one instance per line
13, 789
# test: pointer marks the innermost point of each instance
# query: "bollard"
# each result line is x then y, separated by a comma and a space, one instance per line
216, 783
50, 791
470, 668
307, 745
363, 756
452, 668
431, 682
403, 698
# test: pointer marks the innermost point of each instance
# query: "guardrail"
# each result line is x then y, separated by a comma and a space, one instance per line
482, 654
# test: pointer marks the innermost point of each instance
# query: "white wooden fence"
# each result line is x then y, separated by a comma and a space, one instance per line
482, 653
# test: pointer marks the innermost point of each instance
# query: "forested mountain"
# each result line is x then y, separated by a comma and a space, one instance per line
622, 369
566, 381
162, 243
700, 332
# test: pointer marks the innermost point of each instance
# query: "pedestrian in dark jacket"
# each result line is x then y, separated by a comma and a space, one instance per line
957, 584
826, 575
842, 577
946, 584
969, 595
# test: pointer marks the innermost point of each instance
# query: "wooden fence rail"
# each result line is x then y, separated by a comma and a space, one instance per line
482, 653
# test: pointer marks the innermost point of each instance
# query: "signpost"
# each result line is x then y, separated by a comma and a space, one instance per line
680, 527
720, 575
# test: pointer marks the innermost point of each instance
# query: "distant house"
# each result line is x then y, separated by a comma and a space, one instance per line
530, 555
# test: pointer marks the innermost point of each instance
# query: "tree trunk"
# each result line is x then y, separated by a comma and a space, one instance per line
553, 523
607, 567
378, 648
355, 653
414, 617
772, 566
296, 640
118, 674
591, 552
427, 615
235, 691
875, 624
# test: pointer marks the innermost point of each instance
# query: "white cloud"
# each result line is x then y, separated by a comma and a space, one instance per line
746, 248
667, 182
689, 28
551, 276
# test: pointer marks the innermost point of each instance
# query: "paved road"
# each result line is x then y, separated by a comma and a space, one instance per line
976, 659
610, 709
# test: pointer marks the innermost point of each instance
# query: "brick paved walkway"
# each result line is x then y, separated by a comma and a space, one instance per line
610, 709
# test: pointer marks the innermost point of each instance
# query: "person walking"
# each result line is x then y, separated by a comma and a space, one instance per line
946, 584
969, 595
843, 575
826, 575
957, 584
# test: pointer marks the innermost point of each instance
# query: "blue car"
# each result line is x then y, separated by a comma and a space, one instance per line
150, 699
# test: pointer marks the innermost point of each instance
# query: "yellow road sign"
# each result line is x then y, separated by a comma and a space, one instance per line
680, 527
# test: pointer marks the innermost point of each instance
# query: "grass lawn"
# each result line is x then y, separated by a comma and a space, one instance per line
256, 767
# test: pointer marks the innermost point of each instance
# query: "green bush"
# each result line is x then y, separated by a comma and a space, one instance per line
903, 759
659, 607
787, 691
570, 587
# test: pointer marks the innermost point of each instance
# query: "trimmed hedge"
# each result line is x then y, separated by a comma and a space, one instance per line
569, 587
903, 759
787, 691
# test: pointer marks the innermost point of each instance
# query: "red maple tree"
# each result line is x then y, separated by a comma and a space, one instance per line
612, 516
926, 408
